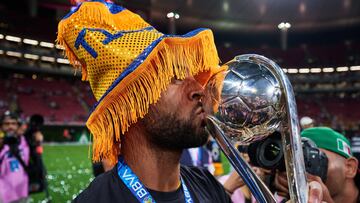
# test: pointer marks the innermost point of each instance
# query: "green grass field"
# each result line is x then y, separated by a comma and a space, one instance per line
69, 171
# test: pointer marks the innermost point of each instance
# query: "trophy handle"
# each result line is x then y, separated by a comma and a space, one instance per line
259, 190
290, 133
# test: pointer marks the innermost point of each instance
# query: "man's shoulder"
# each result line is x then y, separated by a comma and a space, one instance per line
204, 184
104, 188
196, 172
96, 188
103, 179
199, 176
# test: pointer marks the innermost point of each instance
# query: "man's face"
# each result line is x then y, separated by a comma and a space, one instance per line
177, 120
9, 125
336, 172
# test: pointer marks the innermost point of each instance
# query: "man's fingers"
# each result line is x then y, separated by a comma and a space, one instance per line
315, 193
311, 177
235, 176
324, 190
283, 180
280, 186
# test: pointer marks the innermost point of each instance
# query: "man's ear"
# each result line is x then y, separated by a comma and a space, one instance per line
351, 165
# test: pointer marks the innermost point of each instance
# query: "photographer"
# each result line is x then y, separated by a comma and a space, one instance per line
342, 183
14, 157
34, 138
306, 122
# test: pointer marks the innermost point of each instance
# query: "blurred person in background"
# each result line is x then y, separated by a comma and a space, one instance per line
22, 127
14, 157
199, 157
36, 167
207, 156
343, 175
306, 122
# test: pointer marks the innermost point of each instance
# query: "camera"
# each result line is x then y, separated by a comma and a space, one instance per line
13, 142
268, 153
11, 139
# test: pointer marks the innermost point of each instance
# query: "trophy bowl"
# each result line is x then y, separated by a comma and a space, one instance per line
250, 104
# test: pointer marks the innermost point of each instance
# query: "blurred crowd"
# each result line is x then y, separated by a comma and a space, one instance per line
58, 101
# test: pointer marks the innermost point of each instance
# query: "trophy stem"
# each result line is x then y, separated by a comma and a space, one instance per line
291, 142
258, 189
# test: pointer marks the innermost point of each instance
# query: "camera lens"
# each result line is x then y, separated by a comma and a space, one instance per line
272, 151
267, 153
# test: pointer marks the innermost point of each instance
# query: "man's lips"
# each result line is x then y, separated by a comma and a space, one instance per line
199, 111
202, 114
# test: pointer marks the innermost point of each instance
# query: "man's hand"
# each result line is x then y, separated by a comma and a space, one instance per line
39, 137
281, 184
233, 182
315, 192
325, 192
260, 172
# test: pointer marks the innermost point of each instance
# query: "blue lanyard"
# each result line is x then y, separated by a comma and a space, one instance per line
199, 161
133, 183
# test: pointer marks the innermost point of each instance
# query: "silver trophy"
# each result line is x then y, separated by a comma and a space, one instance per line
253, 98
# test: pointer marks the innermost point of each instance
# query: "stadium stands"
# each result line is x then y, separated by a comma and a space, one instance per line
57, 100
340, 113
70, 100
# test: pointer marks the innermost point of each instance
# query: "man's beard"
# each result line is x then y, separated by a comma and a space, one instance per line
167, 131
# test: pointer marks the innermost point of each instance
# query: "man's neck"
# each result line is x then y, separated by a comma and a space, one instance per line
350, 194
157, 169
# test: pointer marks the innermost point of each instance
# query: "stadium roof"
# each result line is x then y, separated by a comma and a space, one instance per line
230, 19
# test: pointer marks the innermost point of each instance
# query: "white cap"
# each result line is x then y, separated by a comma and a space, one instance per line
304, 121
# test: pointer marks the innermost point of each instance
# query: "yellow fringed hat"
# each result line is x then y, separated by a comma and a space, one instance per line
128, 63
